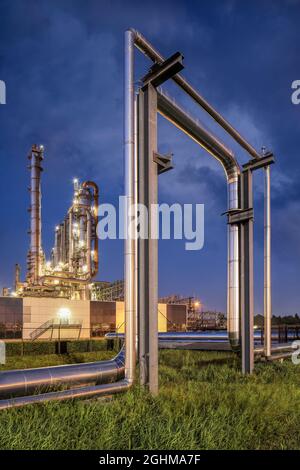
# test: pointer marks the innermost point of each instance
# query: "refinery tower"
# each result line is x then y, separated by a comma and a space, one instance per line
74, 258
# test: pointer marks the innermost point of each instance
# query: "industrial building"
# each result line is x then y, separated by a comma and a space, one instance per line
41, 318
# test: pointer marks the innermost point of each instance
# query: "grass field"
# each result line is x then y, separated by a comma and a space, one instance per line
204, 403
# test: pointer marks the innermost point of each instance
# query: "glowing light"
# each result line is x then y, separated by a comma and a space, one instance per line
81, 243
42, 147
84, 268
75, 180
14, 294
64, 314
197, 304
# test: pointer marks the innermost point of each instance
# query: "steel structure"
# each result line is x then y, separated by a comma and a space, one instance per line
240, 205
74, 257
140, 273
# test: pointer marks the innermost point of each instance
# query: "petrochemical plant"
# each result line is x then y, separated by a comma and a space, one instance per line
74, 257
60, 295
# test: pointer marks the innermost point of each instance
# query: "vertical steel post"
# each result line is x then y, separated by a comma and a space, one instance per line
148, 247
267, 264
247, 339
129, 245
233, 307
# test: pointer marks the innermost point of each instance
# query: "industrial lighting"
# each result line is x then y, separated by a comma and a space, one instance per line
42, 147
84, 268
75, 180
57, 228
64, 314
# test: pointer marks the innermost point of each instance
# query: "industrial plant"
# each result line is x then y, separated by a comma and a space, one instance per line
61, 297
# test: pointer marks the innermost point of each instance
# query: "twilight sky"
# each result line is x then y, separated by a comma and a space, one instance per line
62, 62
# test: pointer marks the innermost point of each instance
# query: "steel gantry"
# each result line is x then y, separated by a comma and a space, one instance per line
143, 164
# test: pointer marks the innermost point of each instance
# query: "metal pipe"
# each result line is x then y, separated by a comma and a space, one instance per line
136, 178
129, 244
83, 392
148, 49
267, 263
209, 336
20, 383
28, 381
233, 304
179, 117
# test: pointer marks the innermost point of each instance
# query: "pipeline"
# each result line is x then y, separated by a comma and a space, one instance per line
179, 117
149, 50
21, 383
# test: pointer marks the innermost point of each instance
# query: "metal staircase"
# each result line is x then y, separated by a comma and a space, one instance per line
41, 329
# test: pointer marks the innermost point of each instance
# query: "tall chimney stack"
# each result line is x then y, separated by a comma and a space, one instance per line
35, 251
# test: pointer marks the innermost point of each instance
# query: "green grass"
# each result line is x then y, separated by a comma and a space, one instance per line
204, 403
25, 362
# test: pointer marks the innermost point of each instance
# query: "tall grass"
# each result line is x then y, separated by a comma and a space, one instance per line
204, 403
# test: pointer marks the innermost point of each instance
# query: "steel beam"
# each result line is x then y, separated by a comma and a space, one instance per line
246, 275
159, 73
148, 247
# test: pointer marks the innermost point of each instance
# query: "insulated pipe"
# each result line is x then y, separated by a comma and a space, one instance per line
218, 150
129, 244
233, 317
147, 48
267, 264
136, 200
20, 383
174, 113
82, 392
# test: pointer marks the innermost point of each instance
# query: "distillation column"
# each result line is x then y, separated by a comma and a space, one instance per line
35, 251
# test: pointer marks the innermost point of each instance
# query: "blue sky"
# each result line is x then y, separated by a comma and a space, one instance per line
62, 62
